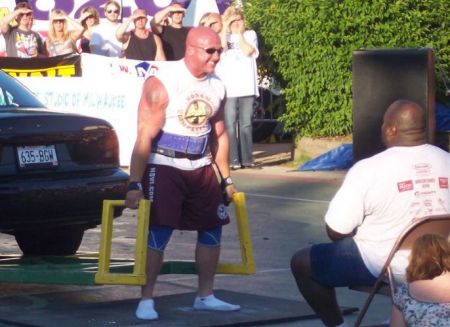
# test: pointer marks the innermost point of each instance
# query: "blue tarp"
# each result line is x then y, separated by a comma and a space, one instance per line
338, 158
342, 156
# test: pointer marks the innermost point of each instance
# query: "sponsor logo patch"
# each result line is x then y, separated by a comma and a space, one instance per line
405, 186
443, 182
222, 212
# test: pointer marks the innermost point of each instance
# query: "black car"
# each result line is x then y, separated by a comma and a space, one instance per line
55, 171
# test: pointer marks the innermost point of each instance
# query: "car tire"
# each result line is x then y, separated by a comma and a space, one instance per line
55, 241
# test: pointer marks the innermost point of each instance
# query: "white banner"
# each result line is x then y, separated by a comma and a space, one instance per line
114, 99
110, 88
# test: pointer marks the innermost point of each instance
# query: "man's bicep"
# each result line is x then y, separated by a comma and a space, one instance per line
151, 112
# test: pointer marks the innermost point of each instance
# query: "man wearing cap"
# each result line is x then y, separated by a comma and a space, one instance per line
20, 40
174, 35
140, 43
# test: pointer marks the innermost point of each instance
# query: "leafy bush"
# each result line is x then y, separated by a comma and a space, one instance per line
308, 45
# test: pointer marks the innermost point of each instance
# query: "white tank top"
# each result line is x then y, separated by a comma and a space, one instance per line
192, 103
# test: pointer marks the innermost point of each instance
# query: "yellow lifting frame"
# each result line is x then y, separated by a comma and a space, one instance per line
138, 277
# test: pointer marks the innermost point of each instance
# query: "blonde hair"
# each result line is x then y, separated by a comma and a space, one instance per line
57, 14
430, 257
92, 11
232, 11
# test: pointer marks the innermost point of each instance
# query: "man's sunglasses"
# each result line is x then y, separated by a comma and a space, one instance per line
210, 51
112, 11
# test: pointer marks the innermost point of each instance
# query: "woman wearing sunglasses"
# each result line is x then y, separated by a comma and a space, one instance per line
104, 41
89, 19
60, 40
237, 69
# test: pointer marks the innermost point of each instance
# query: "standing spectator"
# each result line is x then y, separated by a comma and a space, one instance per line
379, 197
89, 19
425, 300
20, 40
104, 41
60, 40
237, 69
174, 35
140, 43
180, 111
212, 20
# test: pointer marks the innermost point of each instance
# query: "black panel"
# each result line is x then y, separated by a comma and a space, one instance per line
379, 78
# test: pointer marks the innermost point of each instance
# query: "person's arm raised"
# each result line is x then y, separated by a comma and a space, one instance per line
6, 20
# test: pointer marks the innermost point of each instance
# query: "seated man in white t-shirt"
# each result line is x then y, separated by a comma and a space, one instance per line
377, 200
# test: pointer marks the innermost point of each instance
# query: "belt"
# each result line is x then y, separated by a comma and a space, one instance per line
176, 154
179, 143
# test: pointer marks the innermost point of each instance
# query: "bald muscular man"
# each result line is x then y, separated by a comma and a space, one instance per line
180, 117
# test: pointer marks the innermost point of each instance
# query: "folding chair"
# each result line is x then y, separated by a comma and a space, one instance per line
438, 224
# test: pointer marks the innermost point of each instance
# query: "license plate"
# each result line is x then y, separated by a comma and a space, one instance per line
36, 155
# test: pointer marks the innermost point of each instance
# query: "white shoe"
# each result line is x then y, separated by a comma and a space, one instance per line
146, 310
214, 304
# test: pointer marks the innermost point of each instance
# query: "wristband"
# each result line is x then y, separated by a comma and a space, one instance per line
134, 186
227, 181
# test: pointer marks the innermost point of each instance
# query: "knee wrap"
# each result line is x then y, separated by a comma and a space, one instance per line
210, 237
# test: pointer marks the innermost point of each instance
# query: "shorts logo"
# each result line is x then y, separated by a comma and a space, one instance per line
222, 212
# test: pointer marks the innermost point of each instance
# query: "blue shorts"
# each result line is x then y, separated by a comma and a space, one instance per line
339, 264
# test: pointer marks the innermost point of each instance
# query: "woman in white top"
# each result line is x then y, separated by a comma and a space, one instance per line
89, 19
425, 300
60, 40
237, 69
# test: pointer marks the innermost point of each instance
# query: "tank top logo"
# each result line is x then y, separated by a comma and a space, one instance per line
197, 112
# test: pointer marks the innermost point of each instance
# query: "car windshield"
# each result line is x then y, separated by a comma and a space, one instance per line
14, 95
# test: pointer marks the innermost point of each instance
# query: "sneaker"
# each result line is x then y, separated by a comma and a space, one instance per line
146, 310
214, 304
235, 167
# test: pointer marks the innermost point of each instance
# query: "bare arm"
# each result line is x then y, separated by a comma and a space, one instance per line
160, 55
397, 319
121, 33
246, 47
220, 147
4, 23
151, 117
335, 236
160, 16
77, 30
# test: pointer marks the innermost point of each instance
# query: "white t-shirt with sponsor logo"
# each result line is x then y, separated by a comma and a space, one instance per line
192, 103
381, 195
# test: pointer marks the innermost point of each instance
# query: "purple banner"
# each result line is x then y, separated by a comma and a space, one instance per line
73, 8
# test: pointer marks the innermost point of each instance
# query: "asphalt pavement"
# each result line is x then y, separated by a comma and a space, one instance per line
285, 208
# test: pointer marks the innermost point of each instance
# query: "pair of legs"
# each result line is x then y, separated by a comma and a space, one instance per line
189, 200
206, 257
207, 254
321, 268
240, 111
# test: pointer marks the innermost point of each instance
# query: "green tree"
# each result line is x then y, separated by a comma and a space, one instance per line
308, 45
